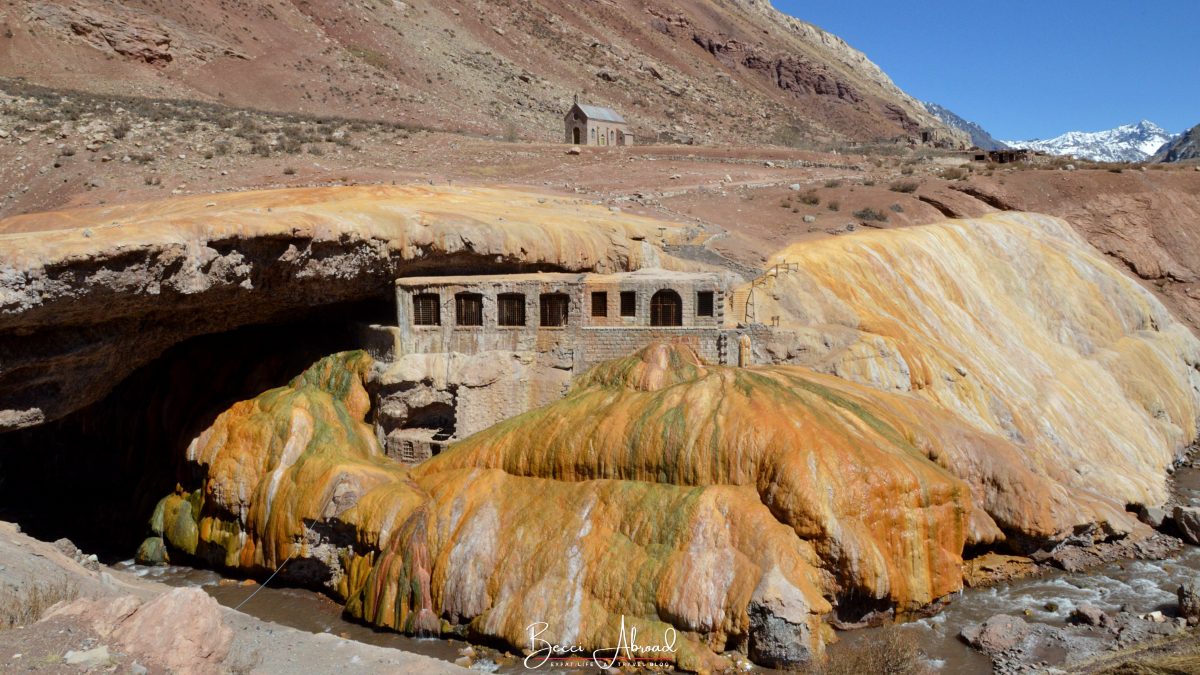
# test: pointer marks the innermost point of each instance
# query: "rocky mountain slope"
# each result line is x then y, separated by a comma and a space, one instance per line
1126, 143
698, 69
979, 136
1183, 147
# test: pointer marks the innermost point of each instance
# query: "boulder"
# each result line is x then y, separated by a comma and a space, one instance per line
992, 568
1189, 602
181, 630
1187, 518
997, 634
1091, 615
97, 657
153, 551
1152, 516
780, 631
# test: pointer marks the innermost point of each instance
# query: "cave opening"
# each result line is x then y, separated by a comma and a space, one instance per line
95, 475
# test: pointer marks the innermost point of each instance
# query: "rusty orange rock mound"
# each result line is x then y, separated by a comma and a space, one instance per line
845, 467
1013, 324
728, 505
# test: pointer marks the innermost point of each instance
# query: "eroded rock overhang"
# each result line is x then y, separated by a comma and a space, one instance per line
89, 295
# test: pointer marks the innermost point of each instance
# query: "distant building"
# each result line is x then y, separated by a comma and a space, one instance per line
1010, 155
594, 125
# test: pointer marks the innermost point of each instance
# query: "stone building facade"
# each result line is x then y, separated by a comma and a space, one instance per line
581, 318
595, 125
469, 351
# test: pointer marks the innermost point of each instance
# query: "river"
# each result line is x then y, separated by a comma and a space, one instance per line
1139, 586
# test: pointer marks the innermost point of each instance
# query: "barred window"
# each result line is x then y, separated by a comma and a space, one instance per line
468, 309
554, 308
704, 303
666, 308
426, 309
511, 309
599, 303
628, 303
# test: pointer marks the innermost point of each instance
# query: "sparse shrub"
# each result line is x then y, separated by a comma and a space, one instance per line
289, 144
67, 152
19, 608
151, 179
905, 186
811, 198
261, 148
510, 131
121, 130
315, 150
222, 148
869, 182
790, 136
896, 208
369, 56
890, 651
954, 174
142, 157
1115, 169
906, 171
833, 205
289, 171
869, 213
833, 183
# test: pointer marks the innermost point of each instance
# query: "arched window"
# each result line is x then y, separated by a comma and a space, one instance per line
666, 308
612, 137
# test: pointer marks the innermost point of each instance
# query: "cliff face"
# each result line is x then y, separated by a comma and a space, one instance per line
1184, 147
89, 295
1015, 325
984, 381
699, 68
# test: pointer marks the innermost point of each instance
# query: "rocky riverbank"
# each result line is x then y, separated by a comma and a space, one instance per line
1092, 639
62, 611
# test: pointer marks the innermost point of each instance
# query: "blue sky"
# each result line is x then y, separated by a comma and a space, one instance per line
1031, 69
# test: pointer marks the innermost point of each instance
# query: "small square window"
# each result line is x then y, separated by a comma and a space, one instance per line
599, 303
704, 303
468, 308
554, 308
426, 309
628, 303
511, 309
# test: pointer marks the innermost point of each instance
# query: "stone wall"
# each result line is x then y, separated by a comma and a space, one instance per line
488, 373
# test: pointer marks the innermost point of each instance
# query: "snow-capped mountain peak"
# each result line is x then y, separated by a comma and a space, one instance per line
1126, 143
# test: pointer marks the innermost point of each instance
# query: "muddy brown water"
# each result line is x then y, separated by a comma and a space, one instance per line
1138, 585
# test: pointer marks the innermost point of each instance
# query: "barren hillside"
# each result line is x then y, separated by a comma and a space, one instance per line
702, 70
